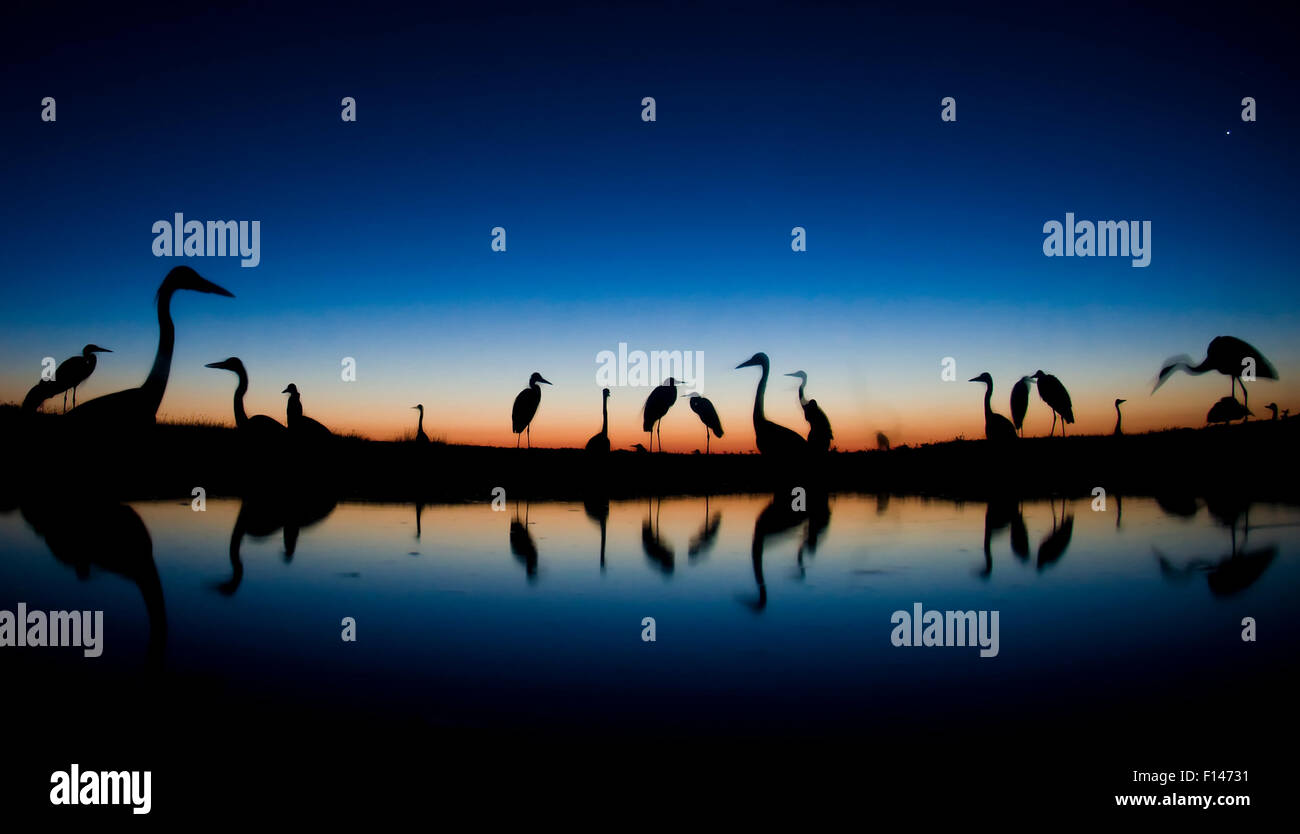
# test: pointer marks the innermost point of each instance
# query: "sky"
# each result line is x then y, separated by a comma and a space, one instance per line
924, 237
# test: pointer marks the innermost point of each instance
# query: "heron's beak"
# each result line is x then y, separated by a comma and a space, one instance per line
747, 363
547, 381
220, 365
976, 379
285, 391
102, 350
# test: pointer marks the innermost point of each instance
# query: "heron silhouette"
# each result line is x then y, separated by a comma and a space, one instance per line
1118, 417
1228, 355
996, 427
70, 374
299, 425
656, 406
1273, 408
771, 438
1226, 410
525, 408
1052, 392
420, 437
259, 425
599, 442
138, 407
1020, 402
819, 427
708, 415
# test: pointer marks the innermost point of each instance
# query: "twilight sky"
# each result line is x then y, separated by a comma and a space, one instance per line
924, 237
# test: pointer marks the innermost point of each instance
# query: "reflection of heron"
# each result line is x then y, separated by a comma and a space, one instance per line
1002, 513
1052, 392
1118, 431
1020, 401
771, 438
660, 552
1231, 574
819, 427
996, 427
259, 425
525, 408
656, 406
704, 540
597, 510
106, 536
522, 544
708, 416
778, 516
137, 407
599, 443
1229, 356
1052, 547
1226, 410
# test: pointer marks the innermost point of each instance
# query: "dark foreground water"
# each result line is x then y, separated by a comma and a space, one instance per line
771, 627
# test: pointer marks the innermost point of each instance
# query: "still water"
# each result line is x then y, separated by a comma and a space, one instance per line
469, 617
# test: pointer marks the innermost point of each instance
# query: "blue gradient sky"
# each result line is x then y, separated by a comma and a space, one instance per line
924, 237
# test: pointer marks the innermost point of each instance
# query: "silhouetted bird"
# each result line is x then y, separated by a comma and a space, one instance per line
882, 441
1052, 392
656, 406
259, 425
708, 415
1273, 408
1226, 410
75, 370
771, 439
1118, 417
637, 447
599, 443
996, 427
138, 407
1229, 356
420, 437
300, 426
1020, 402
525, 409
819, 427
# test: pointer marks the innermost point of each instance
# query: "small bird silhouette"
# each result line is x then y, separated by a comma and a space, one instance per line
420, 437
525, 408
75, 370
656, 406
819, 427
1226, 410
1052, 392
300, 426
708, 416
599, 442
996, 427
1118, 417
1020, 402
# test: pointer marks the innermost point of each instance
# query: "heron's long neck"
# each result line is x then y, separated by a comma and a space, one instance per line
156, 383
758, 395
803, 401
241, 416
420, 426
988, 400
1118, 417
295, 406
604, 415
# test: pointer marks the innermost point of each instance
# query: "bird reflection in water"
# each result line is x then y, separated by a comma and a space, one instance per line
660, 553
702, 542
521, 543
1240, 568
1053, 545
597, 509
260, 516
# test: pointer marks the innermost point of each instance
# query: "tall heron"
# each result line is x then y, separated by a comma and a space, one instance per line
137, 407
708, 415
1052, 392
75, 370
421, 438
1273, 408
525, 408
1020, 402
1118, 417
771, 438
996, 427
656, 406
1226, 410
599, 443
1229, 356
819, 427
258, 425
299, 425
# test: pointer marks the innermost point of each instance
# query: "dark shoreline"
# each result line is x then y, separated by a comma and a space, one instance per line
1246, 462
